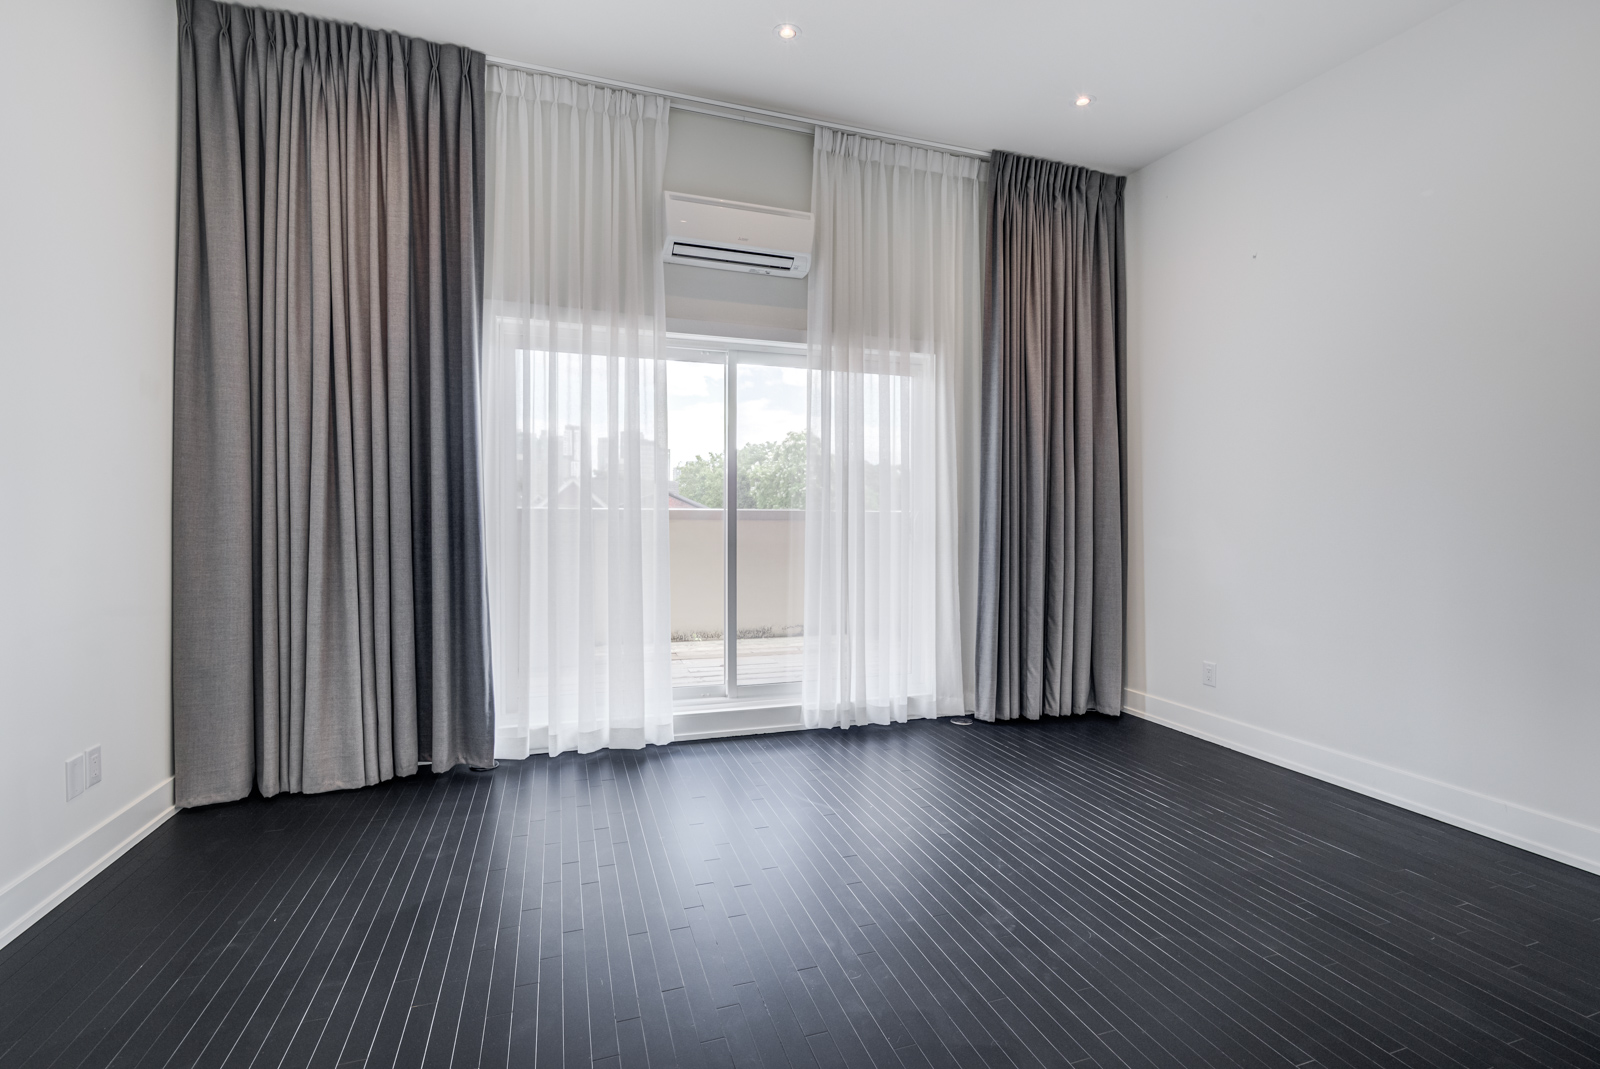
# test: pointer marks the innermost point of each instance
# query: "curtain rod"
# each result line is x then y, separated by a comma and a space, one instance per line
782, 120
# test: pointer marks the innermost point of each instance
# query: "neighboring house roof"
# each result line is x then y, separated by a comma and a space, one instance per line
567, 494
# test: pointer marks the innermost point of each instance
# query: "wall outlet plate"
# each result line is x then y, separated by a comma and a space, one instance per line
91, 762
75, 784
1208, 673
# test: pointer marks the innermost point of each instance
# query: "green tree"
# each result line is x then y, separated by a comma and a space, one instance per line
772, 475
700, 480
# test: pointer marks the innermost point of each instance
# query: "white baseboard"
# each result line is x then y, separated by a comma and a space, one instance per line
1543, 833
727, 723
43, 887
715, 720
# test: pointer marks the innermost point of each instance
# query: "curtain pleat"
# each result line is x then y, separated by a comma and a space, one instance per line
892, 431
575, 417
329, 624
1051, 586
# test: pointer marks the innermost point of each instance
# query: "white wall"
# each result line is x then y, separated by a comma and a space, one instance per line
1365, 397
87, 117
737, 160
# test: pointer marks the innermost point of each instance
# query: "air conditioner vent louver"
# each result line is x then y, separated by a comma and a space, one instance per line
721, 255
729, 235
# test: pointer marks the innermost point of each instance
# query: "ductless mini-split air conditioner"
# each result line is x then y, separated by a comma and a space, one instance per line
729, 235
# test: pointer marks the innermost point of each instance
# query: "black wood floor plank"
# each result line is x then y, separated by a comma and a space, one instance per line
256, 1016
1167, 964
224, 948
242, 1013
57, 1012
1086, 893
382, 990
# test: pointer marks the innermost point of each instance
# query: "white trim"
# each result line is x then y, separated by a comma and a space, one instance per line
39, 890
729, 720
1531, 829
698, 718
783, 120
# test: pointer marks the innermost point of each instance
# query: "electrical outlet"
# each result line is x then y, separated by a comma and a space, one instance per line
74, 776
1209, 677
91, 762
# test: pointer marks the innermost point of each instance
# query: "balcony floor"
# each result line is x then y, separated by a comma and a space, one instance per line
761, 660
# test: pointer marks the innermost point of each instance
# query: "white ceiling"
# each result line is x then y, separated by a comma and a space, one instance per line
997, 74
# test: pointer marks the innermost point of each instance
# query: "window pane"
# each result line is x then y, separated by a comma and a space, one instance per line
771, 436
695, 404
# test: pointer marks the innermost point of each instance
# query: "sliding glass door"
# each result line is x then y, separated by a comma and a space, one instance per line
736, 427
696, 438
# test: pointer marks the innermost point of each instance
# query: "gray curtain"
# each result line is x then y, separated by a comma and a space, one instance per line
329, 621
1051, 551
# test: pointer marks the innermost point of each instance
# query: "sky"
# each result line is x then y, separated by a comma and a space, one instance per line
772, 402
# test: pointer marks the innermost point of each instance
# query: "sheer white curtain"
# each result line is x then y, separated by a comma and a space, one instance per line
574, 416
891, 537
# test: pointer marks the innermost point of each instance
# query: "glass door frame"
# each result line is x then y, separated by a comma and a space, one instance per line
734, 351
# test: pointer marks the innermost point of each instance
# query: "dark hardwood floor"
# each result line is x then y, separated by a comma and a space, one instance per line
1091, 892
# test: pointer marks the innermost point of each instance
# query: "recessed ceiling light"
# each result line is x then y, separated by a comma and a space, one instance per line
788, 31
1084, 100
